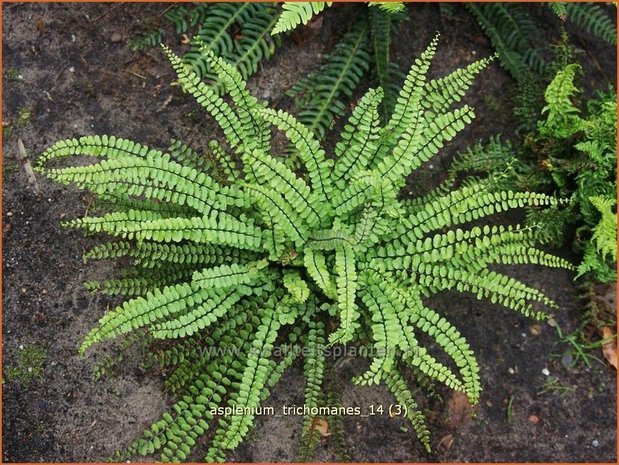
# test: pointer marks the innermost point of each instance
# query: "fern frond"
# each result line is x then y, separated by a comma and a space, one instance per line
254, 378
443, 92
245, 50
511, 32
314, 370
315, 265
562, 119
319, 94
454, 345
358, 139
256, 131
382, 21
389, 7
268, 170
404, 397
346, 284
296, 13
593, 19
309, 150
205, 96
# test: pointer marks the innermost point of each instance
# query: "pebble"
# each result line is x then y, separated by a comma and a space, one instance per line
71, 69
511, 371
567, 360
595, 443
546, 372
116, 37
9, 213
21, 347
534, 419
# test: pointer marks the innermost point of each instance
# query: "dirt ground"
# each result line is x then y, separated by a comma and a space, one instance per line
67, 72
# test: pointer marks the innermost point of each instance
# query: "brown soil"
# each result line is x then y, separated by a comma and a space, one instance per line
75, 80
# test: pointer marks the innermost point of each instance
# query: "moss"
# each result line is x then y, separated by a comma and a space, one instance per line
28, 365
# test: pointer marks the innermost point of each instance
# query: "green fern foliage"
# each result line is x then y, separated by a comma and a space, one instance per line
295, 13
382, 21
585, 154
244, 49
389, 7
227, 264
512, 33
593, 19
320, 95
241, 33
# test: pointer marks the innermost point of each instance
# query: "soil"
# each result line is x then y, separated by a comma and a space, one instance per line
64, 76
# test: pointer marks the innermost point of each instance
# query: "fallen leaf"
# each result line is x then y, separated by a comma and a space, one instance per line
535, 330
40, 24
320, 425
610, 348
459, 410
445, 443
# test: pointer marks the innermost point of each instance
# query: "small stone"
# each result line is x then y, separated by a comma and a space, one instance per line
535, 330
534, 419
20, 77
546, 372
595, 443
488, 403
21, 347
511, 371
73, 39
567, 360
29, 369
71, 69
9, 213
116, 37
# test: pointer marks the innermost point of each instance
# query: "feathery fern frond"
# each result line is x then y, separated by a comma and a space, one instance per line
593, 19
511, 32
319, 94
389, 7
296, 13
245, 50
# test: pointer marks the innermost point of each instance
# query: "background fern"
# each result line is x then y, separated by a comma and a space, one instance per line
571, 152
241, 33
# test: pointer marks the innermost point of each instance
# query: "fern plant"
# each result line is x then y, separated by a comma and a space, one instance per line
243, 257
581, 157
514, 32
241, 33
571, 152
